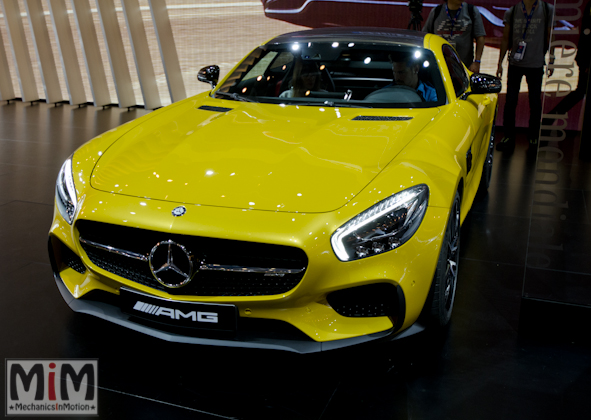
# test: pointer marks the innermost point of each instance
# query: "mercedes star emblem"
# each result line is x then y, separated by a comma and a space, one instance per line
171, 264
179, 211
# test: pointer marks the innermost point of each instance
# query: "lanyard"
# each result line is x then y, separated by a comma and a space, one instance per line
454, 19
528, 16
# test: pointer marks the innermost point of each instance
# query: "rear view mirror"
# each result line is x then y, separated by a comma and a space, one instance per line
485, 83
209, 74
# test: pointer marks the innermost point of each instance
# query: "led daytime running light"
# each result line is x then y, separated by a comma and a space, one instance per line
412, 200
66, 192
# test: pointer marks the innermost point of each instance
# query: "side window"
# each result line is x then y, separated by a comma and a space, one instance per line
458, 75
260, 67
283, 59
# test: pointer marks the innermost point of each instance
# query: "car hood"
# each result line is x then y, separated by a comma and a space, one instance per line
257, 156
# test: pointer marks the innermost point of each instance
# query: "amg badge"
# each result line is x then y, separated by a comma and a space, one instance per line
195, 316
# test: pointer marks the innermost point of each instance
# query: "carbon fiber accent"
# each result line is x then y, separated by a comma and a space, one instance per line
378, 118
211, 250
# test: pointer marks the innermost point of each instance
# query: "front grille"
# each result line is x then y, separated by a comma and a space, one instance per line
206, 250
373, 300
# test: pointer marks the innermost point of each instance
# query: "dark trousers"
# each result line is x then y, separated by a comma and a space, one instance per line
534, 77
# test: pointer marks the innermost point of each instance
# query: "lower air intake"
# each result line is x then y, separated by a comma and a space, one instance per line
373, 300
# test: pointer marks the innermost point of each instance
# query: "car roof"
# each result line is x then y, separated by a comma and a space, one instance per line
354, 34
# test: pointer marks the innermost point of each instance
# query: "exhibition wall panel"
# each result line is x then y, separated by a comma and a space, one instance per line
173, 39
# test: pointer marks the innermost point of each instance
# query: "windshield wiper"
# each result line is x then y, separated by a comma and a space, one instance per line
235, 96
346, 105
330, 104
334, 104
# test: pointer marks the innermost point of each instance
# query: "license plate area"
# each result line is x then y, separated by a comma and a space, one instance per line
194, 315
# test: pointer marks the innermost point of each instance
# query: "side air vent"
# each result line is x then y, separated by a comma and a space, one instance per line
373, 300
378, 118
214, 108
64, 256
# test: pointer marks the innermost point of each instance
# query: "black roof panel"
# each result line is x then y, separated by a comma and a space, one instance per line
354, 34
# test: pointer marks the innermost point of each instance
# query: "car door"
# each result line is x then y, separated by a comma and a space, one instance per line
471, 116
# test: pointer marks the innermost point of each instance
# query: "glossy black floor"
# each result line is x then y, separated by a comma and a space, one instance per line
490, 364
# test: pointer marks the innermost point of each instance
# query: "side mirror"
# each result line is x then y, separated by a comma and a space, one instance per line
485, 83
209, 74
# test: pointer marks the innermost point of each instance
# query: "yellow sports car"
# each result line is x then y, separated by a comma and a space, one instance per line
312, 200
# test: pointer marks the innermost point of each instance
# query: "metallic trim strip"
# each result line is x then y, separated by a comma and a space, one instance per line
115, 250
240, 269
204, 267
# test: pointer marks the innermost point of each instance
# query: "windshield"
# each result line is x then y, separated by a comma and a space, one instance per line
339, 74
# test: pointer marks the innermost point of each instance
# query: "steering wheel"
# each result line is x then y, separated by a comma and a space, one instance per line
395, 93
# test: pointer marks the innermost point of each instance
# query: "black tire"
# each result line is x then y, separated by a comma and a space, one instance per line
443, 288
488, 164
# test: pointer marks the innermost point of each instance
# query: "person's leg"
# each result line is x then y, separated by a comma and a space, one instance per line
514, 75
534, 79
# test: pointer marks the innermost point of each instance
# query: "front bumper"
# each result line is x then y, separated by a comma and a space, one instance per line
300, 320
105, 306
113, 314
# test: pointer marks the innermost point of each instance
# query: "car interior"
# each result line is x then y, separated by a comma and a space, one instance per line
358, 75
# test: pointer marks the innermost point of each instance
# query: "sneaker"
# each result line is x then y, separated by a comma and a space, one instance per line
507, 144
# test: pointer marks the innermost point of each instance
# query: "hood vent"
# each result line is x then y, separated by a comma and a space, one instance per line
214, 108
378, 118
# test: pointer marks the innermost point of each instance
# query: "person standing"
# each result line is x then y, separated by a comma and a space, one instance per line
527, 36
460, 24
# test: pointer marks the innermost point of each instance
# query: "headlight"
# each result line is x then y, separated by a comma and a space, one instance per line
382, 227
65, 192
